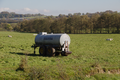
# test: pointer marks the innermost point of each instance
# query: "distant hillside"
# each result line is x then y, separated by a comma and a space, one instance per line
12, 17
6, 14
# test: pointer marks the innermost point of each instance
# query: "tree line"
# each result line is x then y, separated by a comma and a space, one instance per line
96, 23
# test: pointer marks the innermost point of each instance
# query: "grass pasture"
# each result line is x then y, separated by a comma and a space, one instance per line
92, 58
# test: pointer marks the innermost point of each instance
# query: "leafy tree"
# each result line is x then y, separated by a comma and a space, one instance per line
9, 27
94, 19
116, 21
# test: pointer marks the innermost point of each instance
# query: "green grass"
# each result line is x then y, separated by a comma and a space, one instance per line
92, 58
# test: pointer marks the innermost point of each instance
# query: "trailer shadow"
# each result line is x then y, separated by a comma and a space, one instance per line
20, 53
32, 54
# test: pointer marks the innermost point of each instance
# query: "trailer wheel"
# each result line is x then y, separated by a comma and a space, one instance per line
42, 50
50, 51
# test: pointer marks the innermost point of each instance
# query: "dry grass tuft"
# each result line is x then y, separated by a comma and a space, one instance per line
23, 64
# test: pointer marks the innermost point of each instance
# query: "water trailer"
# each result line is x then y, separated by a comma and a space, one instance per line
52, 44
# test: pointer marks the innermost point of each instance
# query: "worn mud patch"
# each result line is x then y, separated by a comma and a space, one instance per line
96, 68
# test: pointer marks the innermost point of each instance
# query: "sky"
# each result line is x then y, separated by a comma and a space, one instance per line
56, 7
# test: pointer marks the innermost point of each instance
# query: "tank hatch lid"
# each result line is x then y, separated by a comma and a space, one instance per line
42, 33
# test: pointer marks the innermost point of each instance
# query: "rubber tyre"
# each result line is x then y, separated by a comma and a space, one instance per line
50, 51
42, 50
